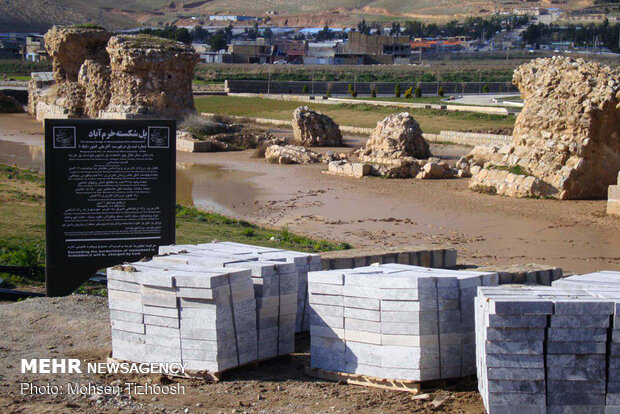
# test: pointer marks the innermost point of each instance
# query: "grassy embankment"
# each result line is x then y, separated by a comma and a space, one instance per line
21, 69
360, 115
22, 226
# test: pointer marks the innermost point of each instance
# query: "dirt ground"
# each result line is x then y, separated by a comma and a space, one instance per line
78, 327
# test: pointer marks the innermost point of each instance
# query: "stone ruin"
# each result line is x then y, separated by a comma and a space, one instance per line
99, 75
396, 149
395, 137
566, 141
151, 75
310, 129
314, 129
291, 154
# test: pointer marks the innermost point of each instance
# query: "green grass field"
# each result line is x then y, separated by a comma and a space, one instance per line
22, 226
360, 115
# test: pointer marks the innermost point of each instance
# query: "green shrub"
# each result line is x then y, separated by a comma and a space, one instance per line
485, 88
373, 92
305, 90
418, 92
440, 91
397, 90
354, 93
350, 89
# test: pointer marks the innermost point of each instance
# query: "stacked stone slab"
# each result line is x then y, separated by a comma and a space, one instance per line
183, 314
394, 321
275, 289
541, 349
304, 263
604, 284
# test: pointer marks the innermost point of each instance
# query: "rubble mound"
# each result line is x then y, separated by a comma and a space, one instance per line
291, 154
566, 141
9, 104
314, 129
395, 137
151, 75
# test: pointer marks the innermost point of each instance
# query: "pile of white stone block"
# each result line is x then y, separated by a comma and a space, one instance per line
215, 306
547, 349
395, 321
604, 284
304, 263
203, 317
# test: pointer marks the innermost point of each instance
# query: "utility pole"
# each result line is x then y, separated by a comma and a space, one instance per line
269, 81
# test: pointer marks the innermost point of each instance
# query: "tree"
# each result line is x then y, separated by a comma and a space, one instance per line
268, 33
253, 32
395, 29
440, 91
373, 91
325, 34
305, 90
217, 41
354, 93
418, 92
199, 34
182, 35
363, 28
229, 33
397, 90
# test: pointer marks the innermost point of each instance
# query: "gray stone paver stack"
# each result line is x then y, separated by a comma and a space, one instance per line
394, 321
304, 263
275, 288
165, 313
510, 350
542, 349
604, 284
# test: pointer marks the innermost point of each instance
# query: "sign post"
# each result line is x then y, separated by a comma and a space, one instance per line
110, 195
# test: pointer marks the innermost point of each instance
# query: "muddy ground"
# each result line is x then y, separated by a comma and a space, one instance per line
78, 327
576, 235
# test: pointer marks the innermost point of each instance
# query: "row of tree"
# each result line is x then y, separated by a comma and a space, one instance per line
588, 35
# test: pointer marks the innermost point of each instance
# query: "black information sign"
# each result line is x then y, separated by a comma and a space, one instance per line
110, 195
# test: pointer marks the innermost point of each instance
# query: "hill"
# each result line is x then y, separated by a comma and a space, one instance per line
39, 15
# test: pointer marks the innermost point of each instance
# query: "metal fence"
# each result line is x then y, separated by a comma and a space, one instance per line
364, 88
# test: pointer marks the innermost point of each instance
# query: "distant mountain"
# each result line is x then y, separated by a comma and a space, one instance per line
39, 15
